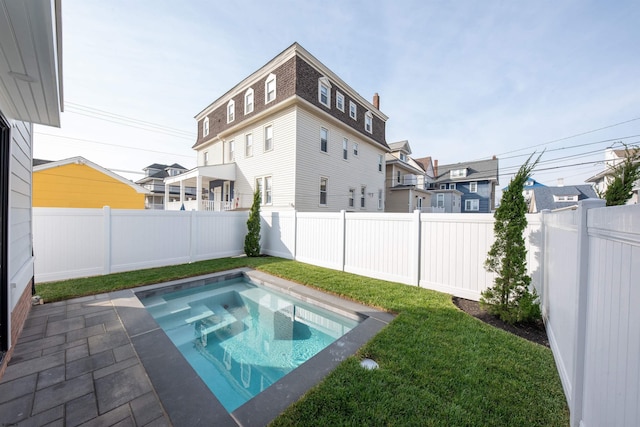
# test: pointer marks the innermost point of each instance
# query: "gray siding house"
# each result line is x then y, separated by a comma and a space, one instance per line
476, 181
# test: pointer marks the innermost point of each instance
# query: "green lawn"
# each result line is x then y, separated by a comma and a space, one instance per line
438, 365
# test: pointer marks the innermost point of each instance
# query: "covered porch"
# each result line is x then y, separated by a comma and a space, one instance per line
214, 189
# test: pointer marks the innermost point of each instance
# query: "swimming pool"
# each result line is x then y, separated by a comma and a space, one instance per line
241, 337
186, 398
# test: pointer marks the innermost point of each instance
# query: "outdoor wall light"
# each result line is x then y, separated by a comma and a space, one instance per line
369, 364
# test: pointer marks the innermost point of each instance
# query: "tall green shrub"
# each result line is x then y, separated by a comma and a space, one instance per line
511, 297
624, 175
252, 239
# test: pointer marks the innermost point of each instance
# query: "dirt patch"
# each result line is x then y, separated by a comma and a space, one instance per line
534, 332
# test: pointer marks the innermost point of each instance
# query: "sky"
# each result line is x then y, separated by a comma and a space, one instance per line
460, 80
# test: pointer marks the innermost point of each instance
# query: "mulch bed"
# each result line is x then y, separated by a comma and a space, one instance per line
534, 332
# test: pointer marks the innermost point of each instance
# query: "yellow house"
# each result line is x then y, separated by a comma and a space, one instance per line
79, 183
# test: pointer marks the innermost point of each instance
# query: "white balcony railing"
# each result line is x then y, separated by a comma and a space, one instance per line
205, 205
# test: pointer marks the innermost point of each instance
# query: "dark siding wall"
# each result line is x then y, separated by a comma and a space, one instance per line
285, 87
483, 194
307, 88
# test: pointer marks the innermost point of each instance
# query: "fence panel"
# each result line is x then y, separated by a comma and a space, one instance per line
453, 250
67, 243
218, 234
381, 245
320, 239
560, 290
279, 234
612, 349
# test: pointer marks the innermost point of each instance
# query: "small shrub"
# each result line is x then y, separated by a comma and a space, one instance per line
252, 239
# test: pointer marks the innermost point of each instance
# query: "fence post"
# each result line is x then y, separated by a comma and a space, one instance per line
544, 302
415, 268
343, 232
106, 221
582, 277
193, 235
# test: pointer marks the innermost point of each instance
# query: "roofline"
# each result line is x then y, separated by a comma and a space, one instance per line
288, 53
83, 161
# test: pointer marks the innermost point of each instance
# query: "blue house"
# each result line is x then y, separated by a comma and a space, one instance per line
476, 181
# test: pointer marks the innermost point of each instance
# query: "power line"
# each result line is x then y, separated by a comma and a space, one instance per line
575, 146
572, 136
112, 145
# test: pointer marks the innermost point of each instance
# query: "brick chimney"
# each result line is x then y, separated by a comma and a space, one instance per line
435, 168
376, 100
494, 157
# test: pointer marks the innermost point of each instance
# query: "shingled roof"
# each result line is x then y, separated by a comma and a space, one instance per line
543, 196
482, 170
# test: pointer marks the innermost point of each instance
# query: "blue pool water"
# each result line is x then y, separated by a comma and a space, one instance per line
240, 337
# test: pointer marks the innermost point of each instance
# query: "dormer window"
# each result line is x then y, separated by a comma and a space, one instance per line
248, 101
458, 173
205, 127
270, 88
340, 101
368, 122
565, 198
403, 157
231, 111
353, 110
324, 92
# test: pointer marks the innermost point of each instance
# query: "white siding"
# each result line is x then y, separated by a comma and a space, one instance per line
20, 242
277, 163
311, 164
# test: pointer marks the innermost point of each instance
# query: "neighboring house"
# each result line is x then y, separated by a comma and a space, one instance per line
30, 92
613, 157
561, 197
79, 183
476, 181
295, 132
153, 181
446, 200
407, 185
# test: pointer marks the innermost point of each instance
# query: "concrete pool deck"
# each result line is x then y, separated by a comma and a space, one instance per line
102, 360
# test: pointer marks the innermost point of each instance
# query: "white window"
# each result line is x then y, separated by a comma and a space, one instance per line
355, 148
324, 92
456, 173
380, 162
268, 138
270, 88
206, 158
440, 200
353, 110
345, 148
267, 190
323, 191
379, 199
340, 101
205, 127
231, 156
324, 139
248, 145
362, 193
473, 187
403, 157
452, 186
368, 122
443, 186
231, 111
472, 205
248, 101
352, 196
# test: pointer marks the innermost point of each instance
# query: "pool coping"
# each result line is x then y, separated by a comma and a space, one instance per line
186, 398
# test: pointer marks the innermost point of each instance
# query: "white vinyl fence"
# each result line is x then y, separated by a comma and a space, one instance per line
72, 243
591, 301
584, 263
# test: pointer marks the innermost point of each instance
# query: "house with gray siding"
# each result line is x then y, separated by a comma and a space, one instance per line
30, 92
408, 183
153, 181
475, 181
295, 132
